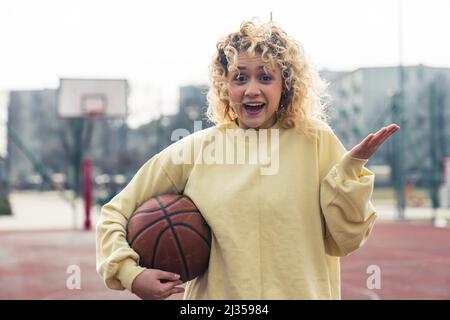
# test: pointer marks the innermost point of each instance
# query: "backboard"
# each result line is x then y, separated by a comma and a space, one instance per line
83, 98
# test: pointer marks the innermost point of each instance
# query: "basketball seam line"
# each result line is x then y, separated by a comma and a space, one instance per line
168, 227
175, 237
195, 231
168, 205
156, 210
155, 246
156, 221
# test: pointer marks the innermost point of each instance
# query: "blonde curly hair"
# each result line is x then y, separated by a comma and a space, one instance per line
303, 99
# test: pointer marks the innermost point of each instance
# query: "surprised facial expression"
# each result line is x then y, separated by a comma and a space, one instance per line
254, 93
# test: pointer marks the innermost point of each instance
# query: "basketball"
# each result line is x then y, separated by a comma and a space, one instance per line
169, 233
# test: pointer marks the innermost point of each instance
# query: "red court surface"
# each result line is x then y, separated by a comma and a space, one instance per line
413, 260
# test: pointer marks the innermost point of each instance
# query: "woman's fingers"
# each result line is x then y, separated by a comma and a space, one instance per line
380, 134
373, 141
164, 275
384, 134
174, 290
367, 139
167, 286
377, 140
387, 135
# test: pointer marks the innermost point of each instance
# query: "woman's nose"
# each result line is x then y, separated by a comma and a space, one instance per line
252, 89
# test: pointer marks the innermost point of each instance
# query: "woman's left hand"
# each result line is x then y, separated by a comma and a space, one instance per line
366, 148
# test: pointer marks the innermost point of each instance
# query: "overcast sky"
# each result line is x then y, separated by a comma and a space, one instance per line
160, 45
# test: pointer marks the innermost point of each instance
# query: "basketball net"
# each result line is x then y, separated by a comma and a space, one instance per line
93, 105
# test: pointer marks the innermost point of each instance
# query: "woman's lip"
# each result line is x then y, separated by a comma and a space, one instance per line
253, 113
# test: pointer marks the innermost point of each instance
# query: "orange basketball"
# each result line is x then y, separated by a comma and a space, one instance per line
169, 233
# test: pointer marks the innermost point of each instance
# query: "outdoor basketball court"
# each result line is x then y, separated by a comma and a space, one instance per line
413, 258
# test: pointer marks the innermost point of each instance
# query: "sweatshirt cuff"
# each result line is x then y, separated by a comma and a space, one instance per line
128, 271
350, 167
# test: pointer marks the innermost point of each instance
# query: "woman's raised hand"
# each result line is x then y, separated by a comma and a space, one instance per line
366, 148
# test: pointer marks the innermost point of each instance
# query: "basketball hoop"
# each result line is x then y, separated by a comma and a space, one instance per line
88, 98
93, 104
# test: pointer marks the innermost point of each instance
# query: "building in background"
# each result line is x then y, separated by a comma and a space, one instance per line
38, 140
32, 120
114, 148
4, 98
193, 103
362, 102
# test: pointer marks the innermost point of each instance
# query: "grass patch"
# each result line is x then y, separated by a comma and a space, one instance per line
5, 206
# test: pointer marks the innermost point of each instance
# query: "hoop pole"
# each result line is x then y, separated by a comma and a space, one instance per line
87, 191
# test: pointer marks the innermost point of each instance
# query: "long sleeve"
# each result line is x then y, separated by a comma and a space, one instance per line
117, 262
345, 193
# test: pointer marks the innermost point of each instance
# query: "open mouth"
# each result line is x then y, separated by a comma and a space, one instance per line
253, 109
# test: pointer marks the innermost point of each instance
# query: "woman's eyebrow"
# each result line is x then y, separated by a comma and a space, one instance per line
245, 68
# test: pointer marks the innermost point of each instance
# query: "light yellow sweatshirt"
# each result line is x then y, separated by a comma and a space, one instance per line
276, 234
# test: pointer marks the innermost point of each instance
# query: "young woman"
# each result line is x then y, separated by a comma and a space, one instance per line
276, 234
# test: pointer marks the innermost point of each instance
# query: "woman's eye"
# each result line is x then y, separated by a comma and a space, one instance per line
266, 77
240, 78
